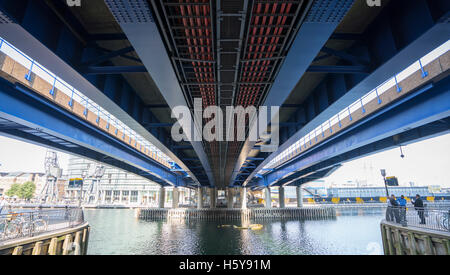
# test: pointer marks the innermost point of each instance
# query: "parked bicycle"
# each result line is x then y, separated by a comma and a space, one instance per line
16, 225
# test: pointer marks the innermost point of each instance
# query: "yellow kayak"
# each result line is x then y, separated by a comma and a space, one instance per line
256, 226
251, 226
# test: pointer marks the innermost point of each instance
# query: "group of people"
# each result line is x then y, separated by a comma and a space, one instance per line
396, 210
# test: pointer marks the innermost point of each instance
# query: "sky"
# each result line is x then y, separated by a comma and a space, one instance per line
425, 162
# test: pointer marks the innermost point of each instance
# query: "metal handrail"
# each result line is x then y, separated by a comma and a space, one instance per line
61, 85
423, 217
18, 224
296, 148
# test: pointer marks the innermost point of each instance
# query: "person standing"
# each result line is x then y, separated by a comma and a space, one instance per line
395, 209
389, 210
418, 205
402, 210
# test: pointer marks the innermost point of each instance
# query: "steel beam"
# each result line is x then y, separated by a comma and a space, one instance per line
42, 117
420, 109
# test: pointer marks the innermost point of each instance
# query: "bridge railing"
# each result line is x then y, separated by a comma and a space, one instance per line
355, 109
17, 224
423, 217
76, 96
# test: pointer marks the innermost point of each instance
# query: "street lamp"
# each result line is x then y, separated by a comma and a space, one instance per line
83, 176
383, 174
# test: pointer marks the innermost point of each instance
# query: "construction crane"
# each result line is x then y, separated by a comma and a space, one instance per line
95, 172
52, 172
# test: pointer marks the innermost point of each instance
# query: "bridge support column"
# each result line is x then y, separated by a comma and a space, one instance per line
243, 198
281, 197
175, 197
162, 197
200, 197
268, 197
299, 196
212, 197
230, 197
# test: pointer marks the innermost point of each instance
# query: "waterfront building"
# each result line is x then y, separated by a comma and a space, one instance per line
117, 187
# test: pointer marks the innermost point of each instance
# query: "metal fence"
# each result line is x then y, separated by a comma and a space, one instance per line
424, 217
22, 223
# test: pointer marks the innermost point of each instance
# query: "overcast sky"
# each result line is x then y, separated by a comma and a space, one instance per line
425, 163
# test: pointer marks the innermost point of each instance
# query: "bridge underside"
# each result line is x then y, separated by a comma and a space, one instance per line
138, 59
421, 115
27, 116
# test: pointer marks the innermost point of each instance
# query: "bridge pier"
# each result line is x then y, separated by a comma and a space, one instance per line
199, 197
243, 194
162, 196
230, 197
299, 196
281, 197
175, 197
268, 197
212, 197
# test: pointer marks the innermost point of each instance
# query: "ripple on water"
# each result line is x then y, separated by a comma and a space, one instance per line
116, 231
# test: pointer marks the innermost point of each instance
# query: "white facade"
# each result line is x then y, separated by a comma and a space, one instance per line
117, 186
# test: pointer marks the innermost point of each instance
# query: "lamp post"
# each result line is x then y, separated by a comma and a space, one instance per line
383, 174
80, 197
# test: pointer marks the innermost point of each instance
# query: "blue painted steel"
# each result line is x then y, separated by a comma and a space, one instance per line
60, 43
25, 107
339, 69
92, 70
138, 24
320, 23
390, 44
429, 104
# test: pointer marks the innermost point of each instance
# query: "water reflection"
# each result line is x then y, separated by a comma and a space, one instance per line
116, 231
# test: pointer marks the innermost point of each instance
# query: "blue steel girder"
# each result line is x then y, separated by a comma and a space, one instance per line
420, 115
62, 45
392, 42
320, 22
51, 125
138, 24
311, 176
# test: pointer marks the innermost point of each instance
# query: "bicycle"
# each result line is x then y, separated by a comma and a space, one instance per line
17, 226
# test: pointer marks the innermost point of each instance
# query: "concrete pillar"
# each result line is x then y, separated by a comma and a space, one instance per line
230, 197
243, 198
162, 197
212, 196
200, 197
175, 197
299, 196
268, 197
281, 196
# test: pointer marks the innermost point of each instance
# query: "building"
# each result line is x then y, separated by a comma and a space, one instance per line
8, 179
115, 186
